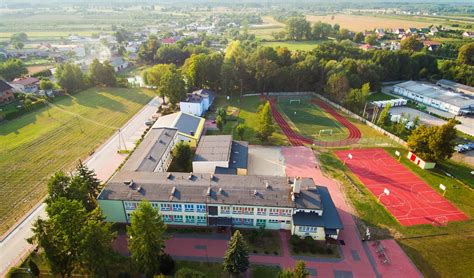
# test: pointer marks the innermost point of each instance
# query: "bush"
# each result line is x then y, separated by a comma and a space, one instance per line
43, 73
124, 275
329, 251
29, 106
167, 264
189, 273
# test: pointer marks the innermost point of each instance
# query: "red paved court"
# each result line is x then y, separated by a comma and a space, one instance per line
411, 201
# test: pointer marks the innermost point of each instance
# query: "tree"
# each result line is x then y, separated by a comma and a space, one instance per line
265, 126
172, 86
222, 112
343, 34
321, 30
435, 143
12, 68
338, 87
384, 118
299, 271
34, 269
236, 258
19, 45
152, 76
240, 129
148, 50
46, 84
70, 77
371, 39
219, 123
203, 70
122, 35
298, 28
147, 242
182, 157
359, 37
21, 37
357, 98
411, 44
102, 74
170, 54
466, 54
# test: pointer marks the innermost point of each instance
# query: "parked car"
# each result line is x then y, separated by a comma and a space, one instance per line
149, 122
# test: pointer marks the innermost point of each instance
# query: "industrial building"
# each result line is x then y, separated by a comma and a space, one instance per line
431, 95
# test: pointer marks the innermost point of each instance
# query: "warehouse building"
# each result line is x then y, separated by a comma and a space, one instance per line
221, 154
457, 87
437, 97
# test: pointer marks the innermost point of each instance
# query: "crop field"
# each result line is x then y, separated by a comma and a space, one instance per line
295, 45
42, 142
309, 120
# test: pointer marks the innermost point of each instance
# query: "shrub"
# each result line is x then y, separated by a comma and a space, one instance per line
275, 253
189, 273
329, 251
167, 264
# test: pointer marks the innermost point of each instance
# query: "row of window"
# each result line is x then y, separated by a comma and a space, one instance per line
305, 229
189, 219
223, 209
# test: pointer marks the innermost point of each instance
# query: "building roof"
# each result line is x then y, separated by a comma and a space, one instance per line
116, 62
150, 151
214, 148
25, 81
197, 96
268, 191
455, 85
239, 155
169, 40
435, 92
185, 123
330, 218
4, 86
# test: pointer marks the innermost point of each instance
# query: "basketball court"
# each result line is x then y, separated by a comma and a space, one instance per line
408, 198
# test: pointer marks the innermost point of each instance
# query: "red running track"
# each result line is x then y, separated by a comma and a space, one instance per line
411, 201
299, 140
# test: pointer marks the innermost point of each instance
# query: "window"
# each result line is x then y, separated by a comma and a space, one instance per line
306, 229
261, 211
236, 221
286, 212
167, 218
190, 219
248, 211
248, 221
201, 208
130, 205
225, 209
201, 219
261, 222
237, 210
128, 215
165, 207
154, 205
178, 218
273, 212
189, 208
273, 221
177, 207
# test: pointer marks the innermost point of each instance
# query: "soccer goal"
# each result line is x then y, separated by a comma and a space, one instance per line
323, 132
295, 101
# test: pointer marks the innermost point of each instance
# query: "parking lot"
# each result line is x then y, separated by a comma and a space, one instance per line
266, 160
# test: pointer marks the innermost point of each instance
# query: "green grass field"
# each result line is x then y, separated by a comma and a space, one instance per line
308, 119
295, 45
247, 116
38, 144
215, 269
436, 251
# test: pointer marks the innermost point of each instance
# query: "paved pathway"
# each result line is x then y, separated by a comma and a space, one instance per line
104, 161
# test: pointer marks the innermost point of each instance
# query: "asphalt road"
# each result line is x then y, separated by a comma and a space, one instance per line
104, 161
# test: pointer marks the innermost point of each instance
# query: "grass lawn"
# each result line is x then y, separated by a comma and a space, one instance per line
247, 116
309, 120
44, 141
215, 270
262, 242
436, 251
295, 45
380, 96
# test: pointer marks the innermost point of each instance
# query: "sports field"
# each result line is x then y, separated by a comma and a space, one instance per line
409, 199
313, 122
295, 45
38, 144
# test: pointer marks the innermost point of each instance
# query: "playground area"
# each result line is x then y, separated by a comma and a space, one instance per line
407, 197
307, 121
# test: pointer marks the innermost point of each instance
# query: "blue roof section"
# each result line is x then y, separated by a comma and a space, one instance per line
225, 171
330, 218
239, 155
187, 124
208, 93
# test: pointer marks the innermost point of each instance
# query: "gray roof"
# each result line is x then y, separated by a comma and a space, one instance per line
435, 92
4, 86
224, 189
187, 123
330, 218
239, 155
147, 155
214, 148
455, 85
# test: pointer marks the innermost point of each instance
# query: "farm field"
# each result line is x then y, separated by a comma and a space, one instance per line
434, 249
360, 23
309, 120
294, 45
247, 116
42, 142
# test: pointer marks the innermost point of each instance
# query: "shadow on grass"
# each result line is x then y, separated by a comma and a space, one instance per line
423, 266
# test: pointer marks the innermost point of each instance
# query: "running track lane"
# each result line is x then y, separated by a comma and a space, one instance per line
299, 140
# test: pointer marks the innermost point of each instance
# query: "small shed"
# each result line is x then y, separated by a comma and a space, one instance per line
420, 162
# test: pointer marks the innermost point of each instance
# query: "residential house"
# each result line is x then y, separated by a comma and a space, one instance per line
468, 35
198, 102
169, 41
27, 85
380, 32
399, 31
433, 31
432, 45
119, 64
412, 31
6, 93
366, 47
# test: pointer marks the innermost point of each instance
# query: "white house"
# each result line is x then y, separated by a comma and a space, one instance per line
198, 102
468, 35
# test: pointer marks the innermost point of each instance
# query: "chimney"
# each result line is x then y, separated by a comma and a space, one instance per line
297, 185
